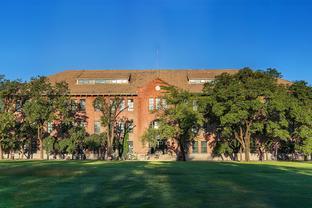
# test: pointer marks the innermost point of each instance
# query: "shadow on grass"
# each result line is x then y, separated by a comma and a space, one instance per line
154, 184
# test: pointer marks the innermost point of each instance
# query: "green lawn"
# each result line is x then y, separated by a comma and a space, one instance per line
155, 184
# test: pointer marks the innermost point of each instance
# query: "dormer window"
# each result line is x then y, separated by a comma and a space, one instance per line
101, 81
199, 81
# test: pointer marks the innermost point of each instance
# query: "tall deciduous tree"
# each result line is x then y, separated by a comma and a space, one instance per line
7, 122
122, 129
178, 121
38, 109
11, 99
111, 109
300, 116
237, 102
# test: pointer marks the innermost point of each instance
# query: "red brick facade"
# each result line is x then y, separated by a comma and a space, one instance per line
141, 86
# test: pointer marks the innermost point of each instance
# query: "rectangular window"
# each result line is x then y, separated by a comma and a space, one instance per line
164, 103
97, 127
130, 105
131, 127
199, 81
74, 104
121, 126
151, 104
122, 105
83, 124
195, 105
157, 103
195, 147
82, 104
203, 145
18, 106
50, 127
101, 81
130, 143
97, 108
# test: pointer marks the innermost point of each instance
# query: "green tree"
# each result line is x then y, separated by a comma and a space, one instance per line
178, 121
64, 115
97, 143
111, 109
122, 129
38, 109
237, 102
7, 122
271, 131
300, 116
11, 99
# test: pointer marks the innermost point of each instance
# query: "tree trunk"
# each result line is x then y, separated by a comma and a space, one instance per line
23, 152
247, 144
182, 152
1, 152
110, 144
40, 144
266, 155
247, 152
11, 154
240, 154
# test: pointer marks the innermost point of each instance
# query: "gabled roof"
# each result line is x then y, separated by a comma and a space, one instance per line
137, 79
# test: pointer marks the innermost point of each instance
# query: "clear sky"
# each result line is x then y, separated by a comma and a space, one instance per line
42, 37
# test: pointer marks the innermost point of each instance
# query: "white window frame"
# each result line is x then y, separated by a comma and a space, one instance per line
130, 105
151, 106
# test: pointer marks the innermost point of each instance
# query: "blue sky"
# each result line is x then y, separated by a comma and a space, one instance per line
42, 37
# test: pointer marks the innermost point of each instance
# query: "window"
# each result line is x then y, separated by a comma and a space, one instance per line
203, 146
164, 103
130, 143
121, 127
18, 106
151, 104
195, 105
157, 103
199, 81
130, 105
155, 124
83, 124
97, 108
131, 127
195, 147
50, 127
74, 104
102, 81
97, 127
122, 105
82, 104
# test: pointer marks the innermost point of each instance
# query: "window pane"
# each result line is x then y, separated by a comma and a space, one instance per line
195, 147
204, 147
122, 104
130, 143
97, 127
164, 103
50, 127
157, 103
195, 106
151, 104
82, 104
130, 105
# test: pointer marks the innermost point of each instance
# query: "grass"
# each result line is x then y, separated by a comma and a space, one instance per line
154, 184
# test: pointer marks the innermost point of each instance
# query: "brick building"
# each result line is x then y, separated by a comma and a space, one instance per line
141, 90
